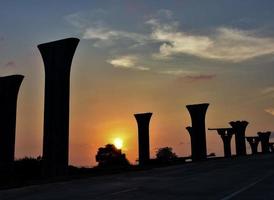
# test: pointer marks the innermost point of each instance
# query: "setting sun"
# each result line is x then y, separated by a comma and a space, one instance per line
118, 142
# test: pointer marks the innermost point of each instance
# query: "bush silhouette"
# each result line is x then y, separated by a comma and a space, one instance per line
28, 168
165, 155
110, 156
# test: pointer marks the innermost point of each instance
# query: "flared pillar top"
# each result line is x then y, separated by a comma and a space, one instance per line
11, 82
253, 139
58, 54
264, 135
197, 110
143, 117
59, 43
238, 124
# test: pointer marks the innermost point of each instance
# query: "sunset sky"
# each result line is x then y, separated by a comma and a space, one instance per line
143, 56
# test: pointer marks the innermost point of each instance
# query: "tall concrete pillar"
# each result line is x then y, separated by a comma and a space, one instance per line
253, 142
143, 120
264, 139
197, 131
226, 135
57, 57
239, 130
9, 88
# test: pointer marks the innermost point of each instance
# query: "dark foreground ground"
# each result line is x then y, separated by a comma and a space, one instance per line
250, 177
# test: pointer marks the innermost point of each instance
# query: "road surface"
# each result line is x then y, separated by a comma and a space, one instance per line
250, 177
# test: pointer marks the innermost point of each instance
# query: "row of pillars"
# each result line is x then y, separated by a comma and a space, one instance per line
57, 57
198, 135
238, 129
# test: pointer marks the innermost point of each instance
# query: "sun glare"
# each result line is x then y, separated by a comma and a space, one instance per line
118, 142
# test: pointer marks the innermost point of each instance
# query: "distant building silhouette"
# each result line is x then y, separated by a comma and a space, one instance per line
57, 57
239, 130
264, 139
197, 131
226, 135
253, 141
143, 120
9, 88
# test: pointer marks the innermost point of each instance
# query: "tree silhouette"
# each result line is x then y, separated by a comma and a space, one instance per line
110, 156
165, 155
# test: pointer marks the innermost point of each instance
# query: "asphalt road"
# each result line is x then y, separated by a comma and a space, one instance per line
250, 177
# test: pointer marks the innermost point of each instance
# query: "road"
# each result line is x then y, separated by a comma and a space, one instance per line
250, 177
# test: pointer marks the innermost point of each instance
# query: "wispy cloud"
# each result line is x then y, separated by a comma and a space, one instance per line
92, 26
268, 90
161, 37
189, 75
201, 77
225, 44
178, 72
270, 111
107, 34
127, 62
8, 68
82, 20
10, 64
195, 78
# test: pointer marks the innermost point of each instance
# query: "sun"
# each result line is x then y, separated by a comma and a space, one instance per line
118, 142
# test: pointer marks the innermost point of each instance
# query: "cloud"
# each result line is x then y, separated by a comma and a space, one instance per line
268, 90
226, 44
270, 111
10, 64
163, 38
222, 43
92, 26
201, 77
198, 77
8, 68
178, 72
188, 75
105, 34
82, 20
127, 62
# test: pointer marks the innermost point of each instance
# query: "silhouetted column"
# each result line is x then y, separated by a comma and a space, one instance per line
253, 141
271, 146
9, 88
264, 139
239, 130
57, 57
192, 142
226, 135
197, 131
143, 120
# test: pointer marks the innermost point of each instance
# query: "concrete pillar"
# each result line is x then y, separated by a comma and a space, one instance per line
271, 146
264, 139
57, 57
9, 88
226, 135
253, 142
143, 120
197, 131
239, 130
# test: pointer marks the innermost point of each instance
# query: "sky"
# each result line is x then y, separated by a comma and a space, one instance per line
143, 56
